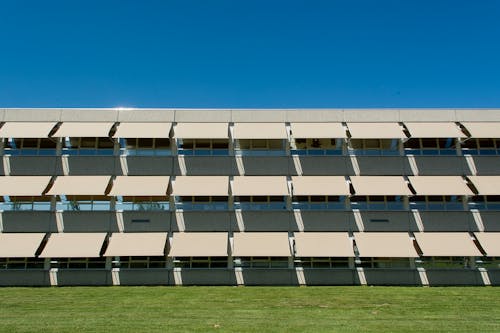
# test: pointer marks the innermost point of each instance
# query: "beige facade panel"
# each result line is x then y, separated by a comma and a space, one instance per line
323, 244
385, 244
261, 244
26, 129
260, 131
375, 130
199, 244
483, 130
23, 185
137, 244
140, 186
260, 185
79, 185
143, 130
434, 130
446, 244
486, 185
490, 242
83, 130
318, 130
380, 185
201, 186
320, 185
21, 245
74, 245
439, 185
202, 131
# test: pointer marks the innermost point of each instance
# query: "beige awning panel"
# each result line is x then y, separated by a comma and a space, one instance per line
199, 244
323, 244
261, 244
83, 130
260, 185
439, 185
318, 130
385, 244
375, 130
201, 186
136, 244
320, 185
446, 244
140, 186
23, 185
434, 130
73, 245
22, 245
26, 130
260, 131
201, 131
486, 185
380, 185
489, 130
490, 242
143, 130
80, 185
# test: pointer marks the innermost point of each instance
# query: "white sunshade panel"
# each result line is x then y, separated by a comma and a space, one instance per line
434, 130
490, 242
201, 186
84, 130
199, 244
143, 130
440, 185
323, 244
74, 245
376, 131
318, 130
486, 185
80, 185
140, 186
385, 244
23, 185
136, 244
202, 131
19, 245
320, 185
446, 244
260, 131
261, 244
260, 185
380, 185
482, 130
26, 129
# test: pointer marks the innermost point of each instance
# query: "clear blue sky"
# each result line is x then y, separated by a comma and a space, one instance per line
255, 53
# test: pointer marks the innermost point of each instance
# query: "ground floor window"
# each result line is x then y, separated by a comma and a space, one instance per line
261, 262
21, 263
322, 262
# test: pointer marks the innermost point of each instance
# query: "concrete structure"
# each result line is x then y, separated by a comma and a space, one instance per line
249, 197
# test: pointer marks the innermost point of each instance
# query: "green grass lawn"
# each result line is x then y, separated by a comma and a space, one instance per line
250, 309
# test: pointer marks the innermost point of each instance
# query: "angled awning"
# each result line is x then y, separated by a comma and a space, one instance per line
380, 185
260, 131
490, 242
26, 130
199, 244
434, 130
490, 130
318, 130
143, 130
201, 186
79, 185
439, 185
261, 244
260, 185
140, 186
446, 244
320, 185
323, 244
385, 244
19, 245
74, 245
375, 131
486, 185
83, 130
23, 185
136, 244
201, 131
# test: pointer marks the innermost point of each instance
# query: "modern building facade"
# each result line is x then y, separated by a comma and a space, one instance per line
249, 197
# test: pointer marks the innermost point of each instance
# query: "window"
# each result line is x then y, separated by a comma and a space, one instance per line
444, 262
203, 146
481, 147
312, 202
200, 262
145, 146
202, 202
260, 202
137, 262
265, 147
484, 202
384, 263
88, 146
40, 203
430, 146
78, 263
127, 203
437, 202
322, 262
374, 147
31, 146
261, 262
83, 203
377, 202
316, 146
21, 263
